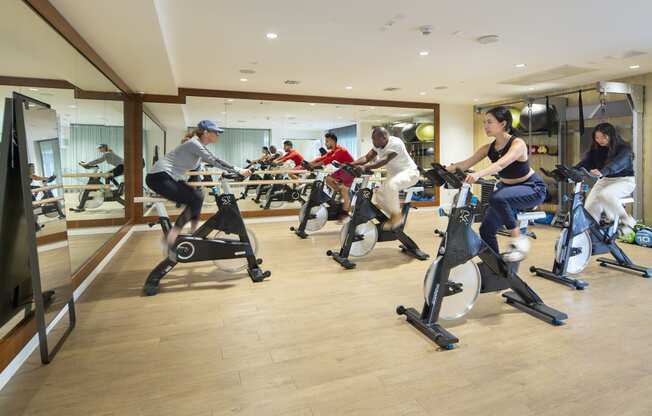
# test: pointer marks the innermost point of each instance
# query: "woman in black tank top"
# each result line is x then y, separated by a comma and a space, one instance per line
519, 188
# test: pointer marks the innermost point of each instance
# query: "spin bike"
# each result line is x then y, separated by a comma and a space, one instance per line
91, 199
582, 236
365, 228
322, 206
454, 281
208, 242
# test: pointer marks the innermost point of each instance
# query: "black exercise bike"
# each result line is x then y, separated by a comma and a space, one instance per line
583, 237
209, 242
366, 226
454, 281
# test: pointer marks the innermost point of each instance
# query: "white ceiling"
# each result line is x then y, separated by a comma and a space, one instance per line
291, 115
71, 110
159, 45
29, 47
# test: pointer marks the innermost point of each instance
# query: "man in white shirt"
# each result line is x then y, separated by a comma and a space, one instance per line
402, 172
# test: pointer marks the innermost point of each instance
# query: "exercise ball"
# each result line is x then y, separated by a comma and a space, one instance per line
409, 133
539, 121
430, 151
426, 132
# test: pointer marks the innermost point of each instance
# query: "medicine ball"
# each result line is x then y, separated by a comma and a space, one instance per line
539, 120
426, 132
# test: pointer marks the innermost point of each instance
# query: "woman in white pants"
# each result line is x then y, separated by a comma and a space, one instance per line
611, 160
402, 172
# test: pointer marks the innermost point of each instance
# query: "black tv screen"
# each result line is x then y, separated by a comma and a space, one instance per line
15, 275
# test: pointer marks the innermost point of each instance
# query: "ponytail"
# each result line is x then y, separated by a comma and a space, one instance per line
192, 133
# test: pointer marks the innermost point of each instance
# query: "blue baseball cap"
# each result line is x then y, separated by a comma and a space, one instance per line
209, 125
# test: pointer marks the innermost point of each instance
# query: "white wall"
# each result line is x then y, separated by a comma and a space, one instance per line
305, 141
363, 131
456, 132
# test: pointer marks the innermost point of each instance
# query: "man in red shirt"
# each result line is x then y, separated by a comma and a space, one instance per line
339, 180
290, 154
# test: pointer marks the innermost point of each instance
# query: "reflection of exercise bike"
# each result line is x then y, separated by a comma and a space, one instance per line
41, 193
254, 166
278, 194
454, 281
583, 237
322, 206
365, 228
208, 242
93, 198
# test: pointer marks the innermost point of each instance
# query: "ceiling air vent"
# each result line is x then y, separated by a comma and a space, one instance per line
247, 71
391, 89
291, 82
487, 39
441, 87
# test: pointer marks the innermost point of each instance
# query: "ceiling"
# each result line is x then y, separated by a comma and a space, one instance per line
157, 46
31, 48
291, 115
71, 110
160, 45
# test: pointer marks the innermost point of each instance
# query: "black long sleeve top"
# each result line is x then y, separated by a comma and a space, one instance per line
618, 166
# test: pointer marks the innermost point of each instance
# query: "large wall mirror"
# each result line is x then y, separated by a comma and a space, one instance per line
251, 125
38, 63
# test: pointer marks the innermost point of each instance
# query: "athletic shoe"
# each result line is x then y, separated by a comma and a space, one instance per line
518, 249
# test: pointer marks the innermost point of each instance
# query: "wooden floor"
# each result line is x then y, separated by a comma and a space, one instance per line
319, 340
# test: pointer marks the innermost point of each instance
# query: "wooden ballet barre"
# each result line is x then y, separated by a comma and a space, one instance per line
148, 199
46, 201
45, 188
87, 187
88, 175
203, 172
257, 182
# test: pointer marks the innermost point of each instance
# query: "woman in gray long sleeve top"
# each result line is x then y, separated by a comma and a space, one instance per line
112, 159
167, 177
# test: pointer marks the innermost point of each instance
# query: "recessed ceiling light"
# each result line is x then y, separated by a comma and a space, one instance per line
244, 79
634, 66
487, 39
520, 65
230, 100
531, 89
33, 89
424, 53
422, 93
372, 108
312, 104
476, 100
271, 35
72, 106
348, 87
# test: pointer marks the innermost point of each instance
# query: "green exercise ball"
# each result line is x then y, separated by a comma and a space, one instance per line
426, 132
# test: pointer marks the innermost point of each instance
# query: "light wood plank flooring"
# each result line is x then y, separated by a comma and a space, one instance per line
319, 340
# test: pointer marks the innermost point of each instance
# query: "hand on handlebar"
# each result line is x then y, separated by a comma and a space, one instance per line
451, 168
472, 178
596, 173
245, 172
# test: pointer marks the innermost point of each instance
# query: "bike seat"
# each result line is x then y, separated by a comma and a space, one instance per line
625, 201
530, 215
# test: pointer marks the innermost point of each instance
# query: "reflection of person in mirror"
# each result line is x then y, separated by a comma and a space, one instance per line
402, 172
273, 153
112, 159
291, 154
340, 180
168, 175
46, 194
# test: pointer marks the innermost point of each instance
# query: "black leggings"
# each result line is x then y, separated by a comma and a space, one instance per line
179, 192
117, 171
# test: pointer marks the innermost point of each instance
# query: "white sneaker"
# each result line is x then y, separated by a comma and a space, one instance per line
518, 249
